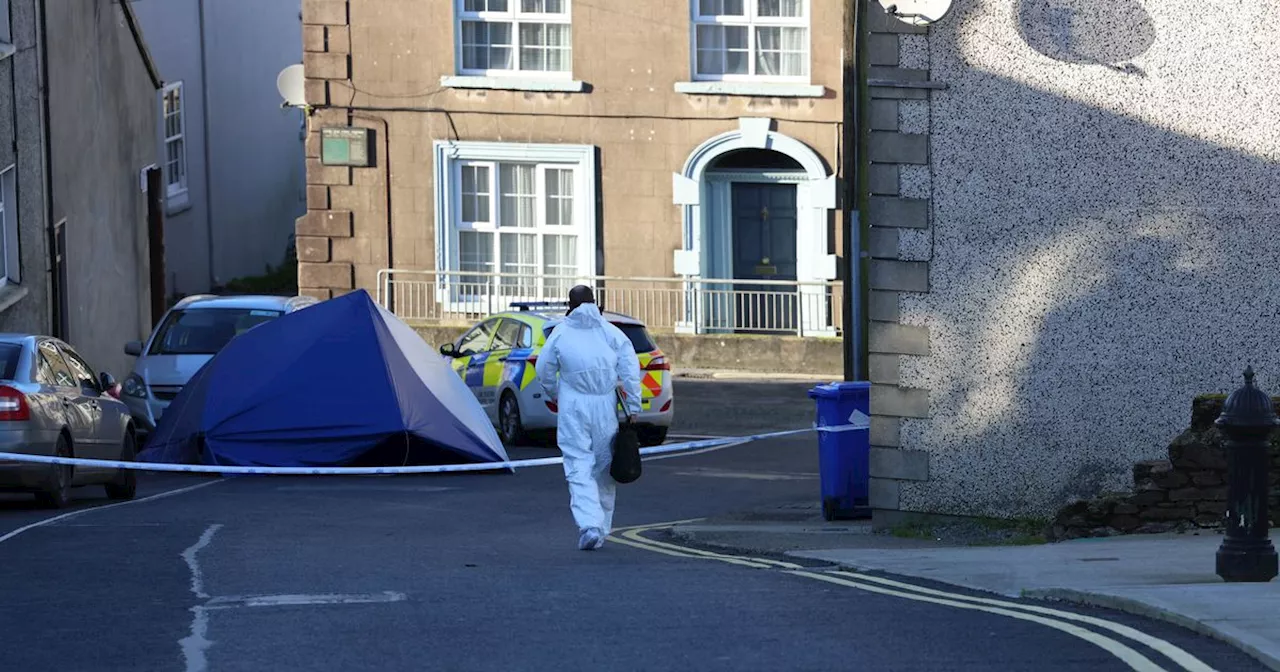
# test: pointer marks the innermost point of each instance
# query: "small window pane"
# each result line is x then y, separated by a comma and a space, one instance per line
780, 8
545, 47
559, 197
475, 194
475, 254
781, 52
485, 6
519, 259
543, 6
519, 195
722, 8
486, 46
559, 264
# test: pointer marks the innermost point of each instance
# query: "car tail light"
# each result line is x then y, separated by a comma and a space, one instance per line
13, 405
551, 406
658, 363
666, 407
533, 360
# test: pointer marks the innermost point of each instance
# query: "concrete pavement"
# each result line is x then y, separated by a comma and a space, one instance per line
1169, 577
1162, 576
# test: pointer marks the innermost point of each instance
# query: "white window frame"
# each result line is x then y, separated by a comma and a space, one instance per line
751, 21
515, 16
451, 157
10, 255
174, 191
7, 48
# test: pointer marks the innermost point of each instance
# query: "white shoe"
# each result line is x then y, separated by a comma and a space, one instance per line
590, 540
600, 542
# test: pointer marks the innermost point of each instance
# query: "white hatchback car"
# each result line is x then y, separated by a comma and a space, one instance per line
191, 333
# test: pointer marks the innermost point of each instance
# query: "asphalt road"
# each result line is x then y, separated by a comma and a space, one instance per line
481, 572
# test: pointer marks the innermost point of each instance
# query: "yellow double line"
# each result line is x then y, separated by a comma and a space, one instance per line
1057, 619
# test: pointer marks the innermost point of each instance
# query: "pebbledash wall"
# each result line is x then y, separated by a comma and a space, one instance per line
1075, 230
641, 133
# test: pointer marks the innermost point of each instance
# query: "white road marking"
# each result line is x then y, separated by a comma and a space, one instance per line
193, 564
632, 536
196, 644
232, 602
696, 436
65, 516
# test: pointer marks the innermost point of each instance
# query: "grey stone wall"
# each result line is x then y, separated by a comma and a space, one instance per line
26, 305
103, 112
1098, 243
900, 234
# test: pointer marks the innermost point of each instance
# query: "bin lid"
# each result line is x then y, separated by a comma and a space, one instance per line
839, 389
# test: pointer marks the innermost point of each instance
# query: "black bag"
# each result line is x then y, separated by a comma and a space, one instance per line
626, 466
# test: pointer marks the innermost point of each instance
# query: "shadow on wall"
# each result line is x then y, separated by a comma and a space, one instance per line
1091, 274
1088, 31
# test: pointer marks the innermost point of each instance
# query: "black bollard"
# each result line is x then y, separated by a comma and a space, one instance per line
1247, 420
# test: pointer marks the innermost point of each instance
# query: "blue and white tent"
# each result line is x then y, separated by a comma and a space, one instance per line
341, 383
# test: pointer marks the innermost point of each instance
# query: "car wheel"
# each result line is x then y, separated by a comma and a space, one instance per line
57, 490
125, 485
652, 436
510, 427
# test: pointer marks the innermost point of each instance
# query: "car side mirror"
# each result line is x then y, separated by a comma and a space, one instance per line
448, 350
133, 348
106, 380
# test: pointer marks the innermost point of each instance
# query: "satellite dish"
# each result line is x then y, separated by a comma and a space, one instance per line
917, 12
291, 83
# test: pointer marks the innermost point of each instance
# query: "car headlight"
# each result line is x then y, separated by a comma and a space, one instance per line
134, 386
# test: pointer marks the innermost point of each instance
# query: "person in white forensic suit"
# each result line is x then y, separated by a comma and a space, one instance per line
581, 367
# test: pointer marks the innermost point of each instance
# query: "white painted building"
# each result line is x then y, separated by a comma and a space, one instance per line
235, 171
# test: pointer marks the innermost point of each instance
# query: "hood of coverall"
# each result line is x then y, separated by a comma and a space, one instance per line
585, 316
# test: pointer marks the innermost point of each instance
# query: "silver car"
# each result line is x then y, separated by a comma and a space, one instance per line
190, 334
52, 403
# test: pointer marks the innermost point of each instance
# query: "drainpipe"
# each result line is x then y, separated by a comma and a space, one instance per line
46, 155
854, 201
208, 150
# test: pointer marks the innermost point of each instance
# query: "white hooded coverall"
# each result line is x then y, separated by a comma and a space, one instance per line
591, 357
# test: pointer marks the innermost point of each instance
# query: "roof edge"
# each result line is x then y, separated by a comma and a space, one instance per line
132, 20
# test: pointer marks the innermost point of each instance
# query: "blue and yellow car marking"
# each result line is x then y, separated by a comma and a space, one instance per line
475, 368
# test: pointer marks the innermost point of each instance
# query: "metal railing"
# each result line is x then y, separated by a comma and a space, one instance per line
689, 305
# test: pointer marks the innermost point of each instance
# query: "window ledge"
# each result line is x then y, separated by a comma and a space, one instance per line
7, 50
10, 295
513, 84
177, 203
759, 89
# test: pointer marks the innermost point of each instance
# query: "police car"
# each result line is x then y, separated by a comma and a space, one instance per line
496, 359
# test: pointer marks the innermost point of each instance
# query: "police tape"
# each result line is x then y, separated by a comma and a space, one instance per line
506, 465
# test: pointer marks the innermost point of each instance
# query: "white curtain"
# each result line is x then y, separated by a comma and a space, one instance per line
520, 259
519, 195
781, 52
559, 210
545, 46
475, 194
780, 8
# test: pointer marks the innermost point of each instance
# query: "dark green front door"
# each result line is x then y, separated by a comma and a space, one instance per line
764, 248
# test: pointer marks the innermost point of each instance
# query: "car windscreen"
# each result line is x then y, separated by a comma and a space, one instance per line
205, 331
9, 355
636, 332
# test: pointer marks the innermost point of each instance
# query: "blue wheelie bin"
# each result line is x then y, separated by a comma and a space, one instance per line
844, 457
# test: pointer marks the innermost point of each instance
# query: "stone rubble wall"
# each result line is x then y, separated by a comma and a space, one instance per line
1186, 491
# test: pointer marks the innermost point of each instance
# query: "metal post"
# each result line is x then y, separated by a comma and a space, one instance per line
1248, 418
854, 179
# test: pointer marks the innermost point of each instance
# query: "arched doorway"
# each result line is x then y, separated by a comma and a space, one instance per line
756, 211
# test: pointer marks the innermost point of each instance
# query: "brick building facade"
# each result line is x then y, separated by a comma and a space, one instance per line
551, 137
